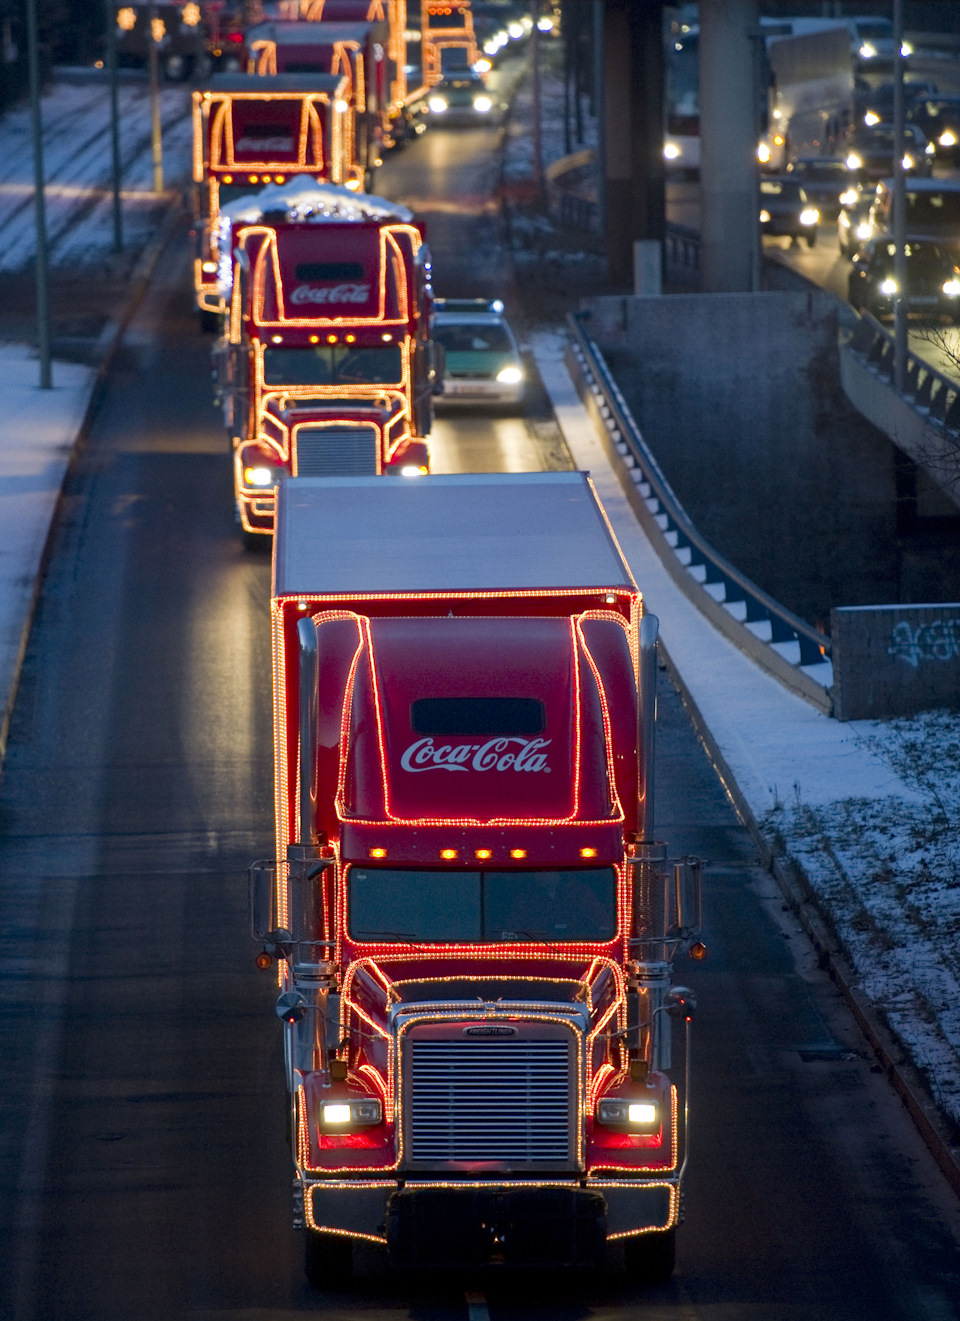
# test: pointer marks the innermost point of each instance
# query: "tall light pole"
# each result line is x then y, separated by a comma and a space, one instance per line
899, 209
154, 61
42, 280
111, 35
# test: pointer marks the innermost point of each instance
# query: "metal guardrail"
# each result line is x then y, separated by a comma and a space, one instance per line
780, 640
933, 394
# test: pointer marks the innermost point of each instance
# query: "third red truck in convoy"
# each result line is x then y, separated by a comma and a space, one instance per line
326, 364
473, 919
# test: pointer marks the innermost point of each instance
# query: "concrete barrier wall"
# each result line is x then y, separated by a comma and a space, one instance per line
739, 397
895, 660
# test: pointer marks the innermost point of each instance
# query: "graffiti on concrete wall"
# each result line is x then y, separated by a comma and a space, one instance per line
937, 641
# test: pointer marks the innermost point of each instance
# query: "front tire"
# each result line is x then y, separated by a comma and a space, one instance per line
327, 1259
650, 1258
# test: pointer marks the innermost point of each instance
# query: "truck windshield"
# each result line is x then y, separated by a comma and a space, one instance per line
387, 904
334, 364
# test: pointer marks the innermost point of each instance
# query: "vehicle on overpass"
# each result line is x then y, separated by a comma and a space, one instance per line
933, 210
326, 366
824, 179
869, 152
931, 289
249, 131
448, 43
853, 221
462, 99
786, 211
474, 922
938, 117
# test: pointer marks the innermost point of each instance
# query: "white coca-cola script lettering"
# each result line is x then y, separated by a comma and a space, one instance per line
497, 754
331, 293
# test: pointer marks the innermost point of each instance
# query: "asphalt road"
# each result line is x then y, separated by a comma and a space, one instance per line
143, 1167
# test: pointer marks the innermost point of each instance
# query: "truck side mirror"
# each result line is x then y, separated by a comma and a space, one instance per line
263, 898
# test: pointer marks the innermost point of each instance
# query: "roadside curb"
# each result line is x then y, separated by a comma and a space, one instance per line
801, 901
104, 351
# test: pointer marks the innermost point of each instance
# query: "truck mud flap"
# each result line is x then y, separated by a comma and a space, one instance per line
477, 1226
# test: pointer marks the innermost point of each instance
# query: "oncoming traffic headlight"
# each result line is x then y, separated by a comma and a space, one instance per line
510, 376
437, 104
351, 1114
635, 1116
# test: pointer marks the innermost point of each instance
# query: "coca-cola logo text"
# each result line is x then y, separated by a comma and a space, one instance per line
331, 293
497, 754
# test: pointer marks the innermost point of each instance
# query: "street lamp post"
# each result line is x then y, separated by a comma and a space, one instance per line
899, 209
154, 61
111, 35
42, 280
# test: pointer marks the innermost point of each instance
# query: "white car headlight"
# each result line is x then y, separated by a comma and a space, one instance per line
907, 162
809, 216
853, 161
764, 217
864, 230
351, 1114
888, 287
482, 104
510, 376
952, 288
849, 198
868, 52
437, 104
763, 154
947, 138
871, 118
906, 50
671, 152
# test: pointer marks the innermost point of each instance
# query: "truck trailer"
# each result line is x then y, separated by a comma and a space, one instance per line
326, 366
470, 916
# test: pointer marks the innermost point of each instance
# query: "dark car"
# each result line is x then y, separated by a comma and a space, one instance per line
462, 98
932, 284
854, 223
875, 104
939, 118
870, 152
786, 211
824, 179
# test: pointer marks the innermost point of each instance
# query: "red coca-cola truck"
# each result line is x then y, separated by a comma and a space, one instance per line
471, 915
356, 51
326, 366
250, 131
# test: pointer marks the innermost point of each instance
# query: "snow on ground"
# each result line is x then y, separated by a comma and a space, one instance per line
881, 853
78, 173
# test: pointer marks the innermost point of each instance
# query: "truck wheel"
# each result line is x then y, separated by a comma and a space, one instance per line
649, 1258
327, 1259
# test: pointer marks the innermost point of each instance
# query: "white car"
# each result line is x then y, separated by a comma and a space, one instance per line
482, 363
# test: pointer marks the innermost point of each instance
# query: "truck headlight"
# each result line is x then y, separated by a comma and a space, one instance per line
809, 216
510, 376
261, 476
351, 1114
637, 1116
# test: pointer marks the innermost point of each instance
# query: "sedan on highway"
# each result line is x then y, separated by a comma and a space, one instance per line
786, 211
482, 363
870, 152
854, 225
939, 118
824, 179
462, 98
932, 287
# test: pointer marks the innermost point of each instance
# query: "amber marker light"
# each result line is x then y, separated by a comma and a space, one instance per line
698, 951
517, 854
378, 853
588, 853
351, 339
228, 178
314, 339
483, 854
331, 339
448, 855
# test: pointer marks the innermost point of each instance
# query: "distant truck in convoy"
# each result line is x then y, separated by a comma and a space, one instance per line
448, 42
326, 366
250, 131
191, 38
472, 918
356, 51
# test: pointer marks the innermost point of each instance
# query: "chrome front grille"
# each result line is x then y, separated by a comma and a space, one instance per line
490, 1101
336, 451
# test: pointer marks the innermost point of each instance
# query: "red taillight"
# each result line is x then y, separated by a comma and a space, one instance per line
236, 37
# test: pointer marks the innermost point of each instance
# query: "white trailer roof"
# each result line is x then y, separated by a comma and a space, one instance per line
345, 536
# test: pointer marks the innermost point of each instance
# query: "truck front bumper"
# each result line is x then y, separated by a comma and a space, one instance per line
464, 1223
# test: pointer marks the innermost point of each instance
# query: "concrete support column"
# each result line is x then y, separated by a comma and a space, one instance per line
632, 134
729, 104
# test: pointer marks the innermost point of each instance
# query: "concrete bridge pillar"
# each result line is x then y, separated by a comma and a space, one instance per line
729, 126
